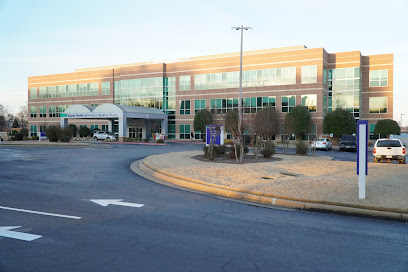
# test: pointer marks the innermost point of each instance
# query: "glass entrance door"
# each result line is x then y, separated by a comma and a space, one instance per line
135, 132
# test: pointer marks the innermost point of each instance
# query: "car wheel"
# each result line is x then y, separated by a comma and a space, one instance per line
402, 161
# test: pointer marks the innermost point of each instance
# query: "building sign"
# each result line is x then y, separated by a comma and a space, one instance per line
89, 115
362, 155
215, 133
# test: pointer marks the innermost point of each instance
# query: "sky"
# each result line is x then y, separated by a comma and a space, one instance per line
48, 37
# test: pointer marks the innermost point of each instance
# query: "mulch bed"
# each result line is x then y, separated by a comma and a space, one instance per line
247, 159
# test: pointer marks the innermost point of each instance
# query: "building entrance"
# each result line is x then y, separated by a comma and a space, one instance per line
135, 132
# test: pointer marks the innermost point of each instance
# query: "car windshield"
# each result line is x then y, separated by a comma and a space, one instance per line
388, 143
320, 140
348, 138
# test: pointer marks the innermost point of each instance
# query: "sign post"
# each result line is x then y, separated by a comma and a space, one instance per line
362, 143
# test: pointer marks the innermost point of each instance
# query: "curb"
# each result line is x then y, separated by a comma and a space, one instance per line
271, 201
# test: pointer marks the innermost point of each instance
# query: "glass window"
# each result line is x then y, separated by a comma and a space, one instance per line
33, 130
105, 86
310, 101
185, 131
184, 83
33, 93
288, 102
378, 78
43, 111
378, 104
52, 111
33, 111
309, 74
184, 107
199, 104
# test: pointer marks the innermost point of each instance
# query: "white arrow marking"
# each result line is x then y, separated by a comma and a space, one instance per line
42, 213
106, 202
5, 232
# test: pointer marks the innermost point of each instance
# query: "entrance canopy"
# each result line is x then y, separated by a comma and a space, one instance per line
112, 112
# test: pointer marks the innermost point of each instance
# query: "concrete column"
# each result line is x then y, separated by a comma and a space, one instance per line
110, 125
146, 130
122, 128
64, 122
164, 123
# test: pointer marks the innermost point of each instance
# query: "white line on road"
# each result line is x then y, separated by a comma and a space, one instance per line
106, 202
42, 213
6, 232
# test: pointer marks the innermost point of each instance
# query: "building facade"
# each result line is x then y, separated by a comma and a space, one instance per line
280, 77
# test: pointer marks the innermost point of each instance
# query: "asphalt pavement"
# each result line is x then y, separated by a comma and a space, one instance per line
175, 230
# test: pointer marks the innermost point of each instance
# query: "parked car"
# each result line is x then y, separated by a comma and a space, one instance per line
389, 150
102, 135
348, 142
322, 143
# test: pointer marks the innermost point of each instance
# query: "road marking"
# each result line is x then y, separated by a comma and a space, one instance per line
6, 232
42, 213
106, 202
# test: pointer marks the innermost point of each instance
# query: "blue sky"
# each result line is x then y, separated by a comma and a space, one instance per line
47, 37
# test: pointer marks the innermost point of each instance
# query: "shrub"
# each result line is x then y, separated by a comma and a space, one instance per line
84, 132
269, 149
53, 133
160, 141
231, 151
19, 137
220, 149
128, 139
227, 142
73, 129
24, 131
28, 138
35, 137
301, 148
65, 134
11, 138
146, 140
209, 155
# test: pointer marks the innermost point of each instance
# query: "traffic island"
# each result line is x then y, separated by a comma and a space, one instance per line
305, 182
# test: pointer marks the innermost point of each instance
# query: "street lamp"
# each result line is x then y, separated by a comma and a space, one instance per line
401, 119
242, 28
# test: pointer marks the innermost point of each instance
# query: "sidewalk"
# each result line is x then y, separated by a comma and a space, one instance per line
306, 182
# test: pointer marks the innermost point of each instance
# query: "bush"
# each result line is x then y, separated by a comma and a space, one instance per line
19, 137
227, 142
209, 155
231, 151
35, 137
146, 140
11, 138
73, 129
160, 141
84, 132
301, 148
269, 149
65, 134
220, 149
28, 138
128, 139
24, 131
53, 133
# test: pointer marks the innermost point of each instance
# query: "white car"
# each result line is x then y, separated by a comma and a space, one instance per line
102, 135
322, 143
388, 150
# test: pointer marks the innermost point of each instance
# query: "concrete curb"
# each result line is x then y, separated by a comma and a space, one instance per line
272, 201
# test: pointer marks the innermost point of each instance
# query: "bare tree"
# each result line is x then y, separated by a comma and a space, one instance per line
265, 127
23, 116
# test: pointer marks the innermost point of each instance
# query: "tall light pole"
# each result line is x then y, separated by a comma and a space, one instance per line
242, 28
401, 119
